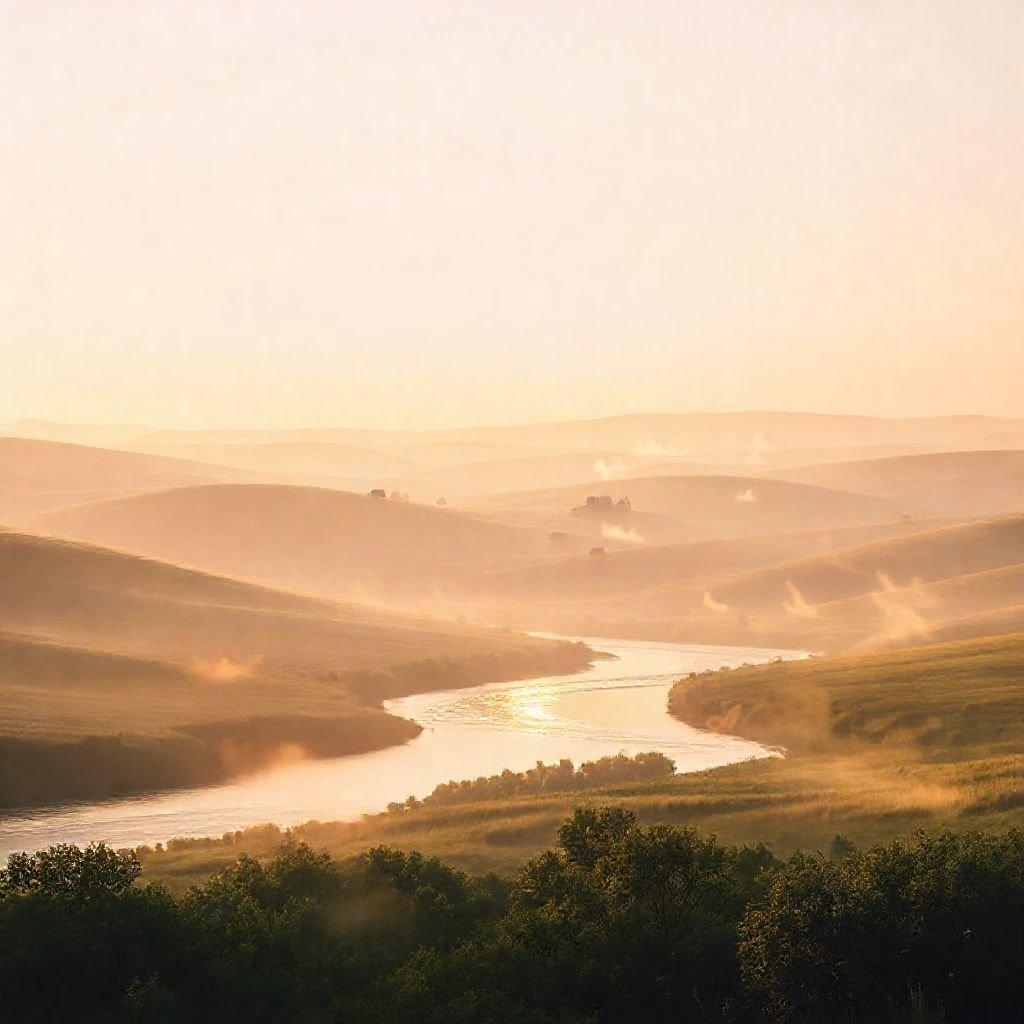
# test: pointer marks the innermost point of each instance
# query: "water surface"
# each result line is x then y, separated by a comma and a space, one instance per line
616, 705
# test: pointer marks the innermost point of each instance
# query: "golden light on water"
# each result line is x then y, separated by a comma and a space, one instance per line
530, 708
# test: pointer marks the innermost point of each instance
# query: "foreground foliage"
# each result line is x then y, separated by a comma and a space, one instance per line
620, 923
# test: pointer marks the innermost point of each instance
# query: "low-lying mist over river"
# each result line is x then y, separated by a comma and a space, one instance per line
617, 705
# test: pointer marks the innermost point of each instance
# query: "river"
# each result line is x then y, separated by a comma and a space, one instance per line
616, 705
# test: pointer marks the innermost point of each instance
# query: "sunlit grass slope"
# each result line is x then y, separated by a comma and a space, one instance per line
940, 703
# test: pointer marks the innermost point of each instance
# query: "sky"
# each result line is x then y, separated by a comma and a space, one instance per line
429, 214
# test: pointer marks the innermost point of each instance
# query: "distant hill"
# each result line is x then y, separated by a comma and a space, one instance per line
942, 484
531, 472
873, 592
734, 443
39, 475
304, 538
716, 506
119, 673
631, 571
311, 459
653, 436
863, 587
79, 433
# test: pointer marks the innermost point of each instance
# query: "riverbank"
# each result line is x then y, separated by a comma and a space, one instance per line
616, 705
878, 746
83, 724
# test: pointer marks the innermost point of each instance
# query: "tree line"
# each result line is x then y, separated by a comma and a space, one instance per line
619, 923
562, 777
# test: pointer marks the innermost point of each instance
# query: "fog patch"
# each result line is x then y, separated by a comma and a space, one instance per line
747, 497
626, 534
606, 469
797, 605
243, 758
223, 669
900, 606
714, 606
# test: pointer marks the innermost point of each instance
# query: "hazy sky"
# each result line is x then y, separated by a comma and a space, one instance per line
428, 214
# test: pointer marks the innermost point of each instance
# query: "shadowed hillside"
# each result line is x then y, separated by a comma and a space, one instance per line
110, 659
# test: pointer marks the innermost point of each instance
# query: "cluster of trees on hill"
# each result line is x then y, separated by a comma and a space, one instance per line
562, 777
620, 923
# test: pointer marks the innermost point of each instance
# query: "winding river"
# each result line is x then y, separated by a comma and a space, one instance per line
616, 705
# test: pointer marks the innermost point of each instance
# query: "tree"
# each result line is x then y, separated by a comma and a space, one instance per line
934, 920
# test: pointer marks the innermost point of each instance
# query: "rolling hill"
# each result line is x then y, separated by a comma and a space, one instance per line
879, 591
120, 673
708, 506
309, 459
530, 472
863, 587
39, 475
636, 569
303, 538
965, 483
732, 435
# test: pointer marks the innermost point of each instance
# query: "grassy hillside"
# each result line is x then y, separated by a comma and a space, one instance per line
305, 538
120, 673
941, 702
40, 475
961, 483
